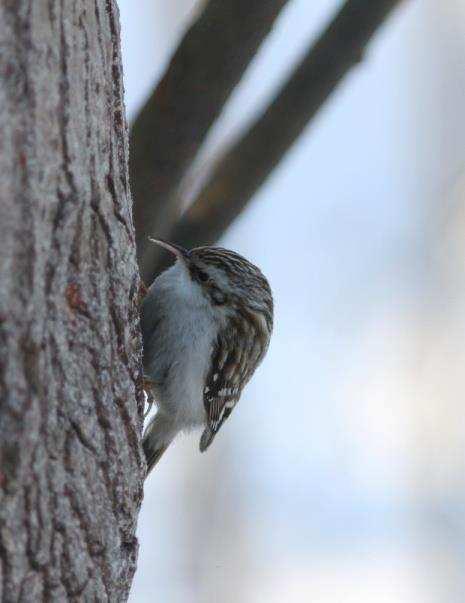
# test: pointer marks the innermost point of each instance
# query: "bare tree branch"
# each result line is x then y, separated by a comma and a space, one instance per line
71, 465
244, 168
170, 128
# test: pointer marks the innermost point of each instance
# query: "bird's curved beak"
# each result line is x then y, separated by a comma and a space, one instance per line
176, 250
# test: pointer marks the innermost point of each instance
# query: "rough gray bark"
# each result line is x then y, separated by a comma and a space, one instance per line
71, 466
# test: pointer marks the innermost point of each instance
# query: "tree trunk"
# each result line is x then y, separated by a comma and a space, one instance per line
71, 466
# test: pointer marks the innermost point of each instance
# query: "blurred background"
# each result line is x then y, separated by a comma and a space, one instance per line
340, 477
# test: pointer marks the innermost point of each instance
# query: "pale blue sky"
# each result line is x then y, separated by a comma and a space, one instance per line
319, 450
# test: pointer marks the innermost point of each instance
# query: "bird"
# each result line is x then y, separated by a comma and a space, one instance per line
206, 324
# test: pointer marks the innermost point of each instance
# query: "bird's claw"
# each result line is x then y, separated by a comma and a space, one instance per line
149, 406
150, 399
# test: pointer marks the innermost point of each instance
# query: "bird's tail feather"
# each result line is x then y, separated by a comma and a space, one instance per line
152, 454
157, 437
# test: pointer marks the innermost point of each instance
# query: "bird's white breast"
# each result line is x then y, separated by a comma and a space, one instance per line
185, 329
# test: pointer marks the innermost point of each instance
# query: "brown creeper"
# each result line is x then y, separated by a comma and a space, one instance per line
206, 324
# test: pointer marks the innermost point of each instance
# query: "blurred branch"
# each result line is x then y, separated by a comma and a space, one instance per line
172, 125
243, 169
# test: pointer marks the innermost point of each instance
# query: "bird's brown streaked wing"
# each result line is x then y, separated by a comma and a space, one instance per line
236, 354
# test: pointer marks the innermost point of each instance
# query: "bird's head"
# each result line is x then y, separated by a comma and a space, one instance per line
226, 279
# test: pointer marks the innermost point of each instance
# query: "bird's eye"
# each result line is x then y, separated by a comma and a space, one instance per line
218, 297
202, 276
